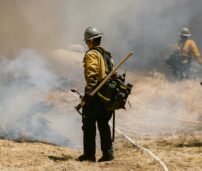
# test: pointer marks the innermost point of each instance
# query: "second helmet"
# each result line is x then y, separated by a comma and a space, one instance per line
185, 32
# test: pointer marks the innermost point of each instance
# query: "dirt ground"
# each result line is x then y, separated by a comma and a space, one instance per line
179, 153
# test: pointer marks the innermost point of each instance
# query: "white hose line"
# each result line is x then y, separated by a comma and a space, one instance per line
144, 149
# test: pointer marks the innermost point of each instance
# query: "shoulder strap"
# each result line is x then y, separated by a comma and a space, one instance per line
181, 48
182, 45
179, 51
107, 58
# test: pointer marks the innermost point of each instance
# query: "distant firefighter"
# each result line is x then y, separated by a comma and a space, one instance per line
180, 60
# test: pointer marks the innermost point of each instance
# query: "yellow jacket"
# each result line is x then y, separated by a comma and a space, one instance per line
94, 69
190, 49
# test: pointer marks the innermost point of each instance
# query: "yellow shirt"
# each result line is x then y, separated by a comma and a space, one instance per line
190, 48
94, 69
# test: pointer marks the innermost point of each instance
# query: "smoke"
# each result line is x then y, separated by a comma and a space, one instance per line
55, 30
147, 27
24, 84
160, 107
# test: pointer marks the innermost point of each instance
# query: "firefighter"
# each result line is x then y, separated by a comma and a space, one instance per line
180, 60
93, 110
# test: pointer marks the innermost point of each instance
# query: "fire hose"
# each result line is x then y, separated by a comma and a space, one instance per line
165, 168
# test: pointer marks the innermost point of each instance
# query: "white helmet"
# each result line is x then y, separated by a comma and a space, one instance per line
185, 32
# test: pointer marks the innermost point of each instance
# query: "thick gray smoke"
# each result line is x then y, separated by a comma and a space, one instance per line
148, 27
24, 84
52, 27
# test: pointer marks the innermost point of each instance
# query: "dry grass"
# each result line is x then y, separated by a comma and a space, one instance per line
178, 152
165, 117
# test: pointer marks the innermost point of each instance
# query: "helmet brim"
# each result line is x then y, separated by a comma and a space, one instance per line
185, 35
94, 37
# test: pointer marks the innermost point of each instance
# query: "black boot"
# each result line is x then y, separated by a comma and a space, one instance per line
84, 157
108, 156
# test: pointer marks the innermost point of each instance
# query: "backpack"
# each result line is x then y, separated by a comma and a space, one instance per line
175, 62
114, 93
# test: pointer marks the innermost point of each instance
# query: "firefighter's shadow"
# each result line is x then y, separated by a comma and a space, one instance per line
60, 158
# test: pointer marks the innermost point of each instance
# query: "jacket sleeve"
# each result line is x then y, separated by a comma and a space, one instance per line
195, 51
91, 71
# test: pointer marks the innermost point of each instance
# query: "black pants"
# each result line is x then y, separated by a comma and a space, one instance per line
180, 69
94, 112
